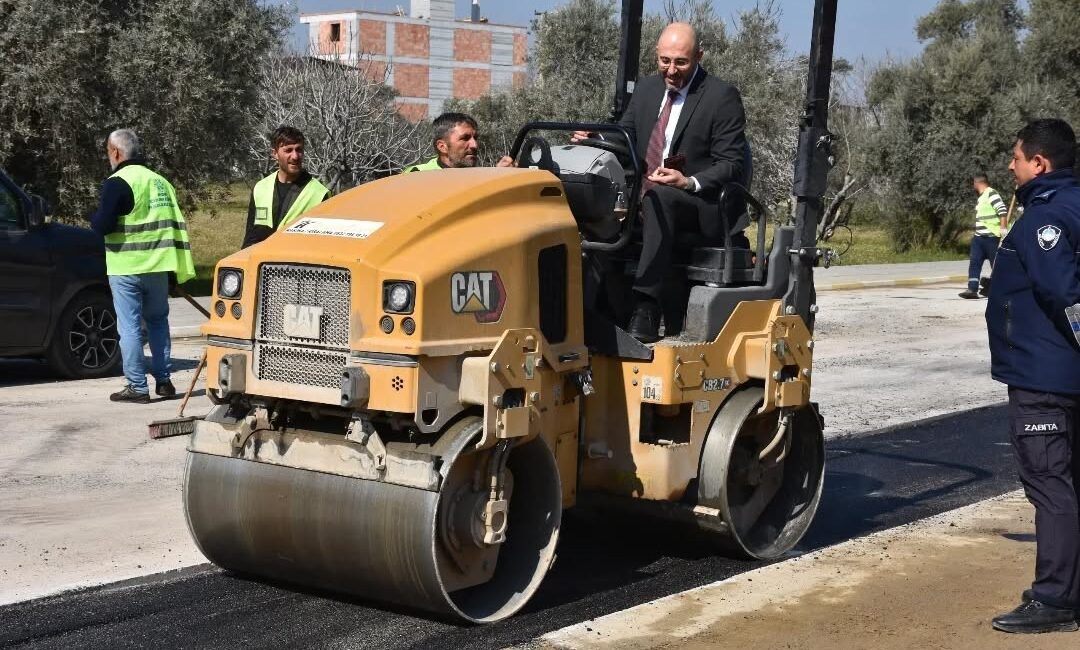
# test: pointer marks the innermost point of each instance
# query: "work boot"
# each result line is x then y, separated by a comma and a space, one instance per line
969, 294
129, 394
165, 389
645, 323
1035, 617
984, 287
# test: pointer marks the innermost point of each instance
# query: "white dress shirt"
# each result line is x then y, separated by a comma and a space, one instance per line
673, 121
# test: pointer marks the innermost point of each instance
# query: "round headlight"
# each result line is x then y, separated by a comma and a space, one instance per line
398, 298
229, 284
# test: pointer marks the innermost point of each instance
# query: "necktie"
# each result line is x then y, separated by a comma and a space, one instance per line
654, 154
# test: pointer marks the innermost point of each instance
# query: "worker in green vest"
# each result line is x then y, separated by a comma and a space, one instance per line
991, 220
146, 242
457, 143
284, 195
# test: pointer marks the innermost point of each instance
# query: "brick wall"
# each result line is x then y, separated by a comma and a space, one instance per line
411, 80
325, 45
411, 40
413, 111
374, 70
373, 36
521, 49
470, 83
472, 45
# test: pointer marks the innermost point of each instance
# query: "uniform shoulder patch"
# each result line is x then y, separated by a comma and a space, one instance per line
1048, 237
1045, 196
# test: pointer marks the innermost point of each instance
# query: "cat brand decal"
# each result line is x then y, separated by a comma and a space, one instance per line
480, 293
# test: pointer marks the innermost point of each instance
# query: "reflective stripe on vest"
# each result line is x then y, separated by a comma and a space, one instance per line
311, 195
424, 167
987, 219
153, 237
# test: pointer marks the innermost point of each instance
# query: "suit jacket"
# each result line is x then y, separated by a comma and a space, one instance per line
709, 131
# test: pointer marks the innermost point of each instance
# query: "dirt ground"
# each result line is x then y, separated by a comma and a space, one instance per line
89, 499
932, 584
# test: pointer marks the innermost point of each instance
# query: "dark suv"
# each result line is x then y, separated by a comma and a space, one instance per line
54, 294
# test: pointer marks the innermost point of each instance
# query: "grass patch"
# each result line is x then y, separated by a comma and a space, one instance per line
869, 244
216, 231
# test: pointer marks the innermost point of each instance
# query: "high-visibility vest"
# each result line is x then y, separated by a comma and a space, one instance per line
311, 195
152, 237
987, 219
424, 167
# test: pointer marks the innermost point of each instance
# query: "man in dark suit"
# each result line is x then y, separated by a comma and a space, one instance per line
688, 128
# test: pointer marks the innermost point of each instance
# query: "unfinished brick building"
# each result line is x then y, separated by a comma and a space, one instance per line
431, 55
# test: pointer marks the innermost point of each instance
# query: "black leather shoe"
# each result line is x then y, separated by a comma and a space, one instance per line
969, 294
165, 389
129, 394
645, 324
1034, 617
984, 287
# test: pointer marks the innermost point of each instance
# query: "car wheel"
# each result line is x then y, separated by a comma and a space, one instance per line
85, 343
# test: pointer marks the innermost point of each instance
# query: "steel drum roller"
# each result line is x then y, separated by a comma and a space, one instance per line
369, 538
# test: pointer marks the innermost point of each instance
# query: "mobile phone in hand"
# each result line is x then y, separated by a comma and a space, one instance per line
676, 162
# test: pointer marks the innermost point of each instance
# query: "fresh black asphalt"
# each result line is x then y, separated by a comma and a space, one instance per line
605, 564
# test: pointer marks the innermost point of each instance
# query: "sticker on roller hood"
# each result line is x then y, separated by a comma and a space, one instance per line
652, 389
349, 228
480, 293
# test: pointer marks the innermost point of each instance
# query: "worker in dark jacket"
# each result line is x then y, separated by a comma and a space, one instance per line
1033, 351
280, 198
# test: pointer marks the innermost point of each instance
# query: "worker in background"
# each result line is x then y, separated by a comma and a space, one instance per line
688, 128
456, 142
146, 241
277, 200
1034, 352
991, 220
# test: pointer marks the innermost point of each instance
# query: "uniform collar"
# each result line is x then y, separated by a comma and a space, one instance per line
1052, 182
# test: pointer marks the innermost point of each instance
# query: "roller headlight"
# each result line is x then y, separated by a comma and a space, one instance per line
230, 283
398, 297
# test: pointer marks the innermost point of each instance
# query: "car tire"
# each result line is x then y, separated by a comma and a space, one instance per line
85, 342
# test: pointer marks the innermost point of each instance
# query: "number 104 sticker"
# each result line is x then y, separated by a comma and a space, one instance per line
652, 389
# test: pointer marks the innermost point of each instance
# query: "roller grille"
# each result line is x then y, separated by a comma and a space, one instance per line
281, 285
306, 366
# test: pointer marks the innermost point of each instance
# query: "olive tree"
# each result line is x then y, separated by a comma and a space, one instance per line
182, 75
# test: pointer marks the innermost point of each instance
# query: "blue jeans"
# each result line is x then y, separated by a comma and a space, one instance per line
138, 298
983, 249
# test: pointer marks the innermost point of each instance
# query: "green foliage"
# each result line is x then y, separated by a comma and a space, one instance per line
1052, 50
182, 75
949, 113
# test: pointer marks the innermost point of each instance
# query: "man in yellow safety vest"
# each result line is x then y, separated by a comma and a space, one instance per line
457, 143
146, 240
288, 192
990, 223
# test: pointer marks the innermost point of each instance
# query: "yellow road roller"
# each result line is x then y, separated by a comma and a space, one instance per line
416, 378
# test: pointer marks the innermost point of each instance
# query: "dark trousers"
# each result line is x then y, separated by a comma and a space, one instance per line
1043, 428
983, 248
666, 211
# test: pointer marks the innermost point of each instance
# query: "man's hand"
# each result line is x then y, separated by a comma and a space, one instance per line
505, 161
670, 177
580, 135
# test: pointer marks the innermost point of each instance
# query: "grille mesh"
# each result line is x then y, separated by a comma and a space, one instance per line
284, 284
304, 366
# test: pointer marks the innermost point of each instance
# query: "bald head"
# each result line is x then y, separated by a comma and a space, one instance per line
677, 54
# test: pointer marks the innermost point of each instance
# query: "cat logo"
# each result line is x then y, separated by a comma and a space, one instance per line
478, 292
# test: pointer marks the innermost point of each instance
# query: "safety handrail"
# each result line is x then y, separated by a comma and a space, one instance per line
762, 222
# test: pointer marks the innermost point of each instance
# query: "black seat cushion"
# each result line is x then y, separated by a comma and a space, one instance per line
714, 258
592, 202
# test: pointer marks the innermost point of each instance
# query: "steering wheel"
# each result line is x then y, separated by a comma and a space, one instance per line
620, 150
525, 156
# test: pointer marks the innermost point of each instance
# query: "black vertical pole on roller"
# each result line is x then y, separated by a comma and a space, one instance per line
629, 56
812, 163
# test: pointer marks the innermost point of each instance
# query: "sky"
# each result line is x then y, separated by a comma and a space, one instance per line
874, 29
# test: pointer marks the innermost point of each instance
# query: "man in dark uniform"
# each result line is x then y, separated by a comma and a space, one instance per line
1033, 351
277, 200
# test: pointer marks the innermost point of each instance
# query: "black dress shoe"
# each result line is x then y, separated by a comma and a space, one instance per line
129, 394
969, 294
645, 324
984, 287
165, 389
1034, 617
